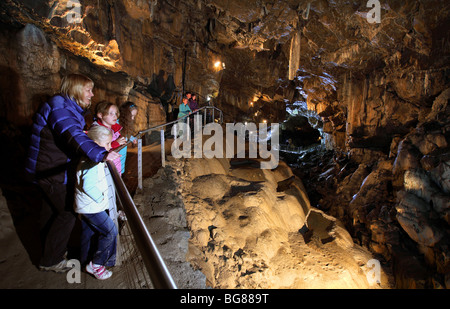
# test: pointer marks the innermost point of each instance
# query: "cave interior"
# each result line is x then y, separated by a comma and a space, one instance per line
360, 90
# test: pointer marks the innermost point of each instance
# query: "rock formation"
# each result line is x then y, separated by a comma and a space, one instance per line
221, 226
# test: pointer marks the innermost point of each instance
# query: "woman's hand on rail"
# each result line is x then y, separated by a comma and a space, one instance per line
112, 156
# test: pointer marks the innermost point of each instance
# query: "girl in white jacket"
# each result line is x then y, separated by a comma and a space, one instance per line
91, 202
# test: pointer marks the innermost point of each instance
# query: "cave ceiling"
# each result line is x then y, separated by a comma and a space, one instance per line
337, 41
334, 34
337, 34
335, 37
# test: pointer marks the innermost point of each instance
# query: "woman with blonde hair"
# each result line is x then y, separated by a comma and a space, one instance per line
57, 143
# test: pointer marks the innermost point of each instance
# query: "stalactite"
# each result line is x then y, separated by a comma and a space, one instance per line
305, 14
153, 4
294, 57
426, 83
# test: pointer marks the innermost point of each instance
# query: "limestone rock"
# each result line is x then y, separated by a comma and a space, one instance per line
419, 183
440, 105
413, 216
245, 233
441, 176
328, 228
407, 157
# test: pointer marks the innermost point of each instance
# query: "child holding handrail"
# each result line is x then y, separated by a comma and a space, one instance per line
107, 114
128, 112
91, 202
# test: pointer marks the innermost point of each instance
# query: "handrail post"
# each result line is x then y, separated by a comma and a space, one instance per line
139, 161
163, 149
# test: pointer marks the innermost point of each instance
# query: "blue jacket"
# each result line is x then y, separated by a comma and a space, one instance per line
183, 110
58, 141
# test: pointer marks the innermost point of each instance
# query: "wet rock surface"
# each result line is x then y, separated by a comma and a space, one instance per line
239, 232
394, 204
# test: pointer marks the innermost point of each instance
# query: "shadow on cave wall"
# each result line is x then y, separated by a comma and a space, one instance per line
166, 91
22, 197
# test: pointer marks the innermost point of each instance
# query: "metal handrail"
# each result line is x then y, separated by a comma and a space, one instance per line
157, 269
161, 126
141, 133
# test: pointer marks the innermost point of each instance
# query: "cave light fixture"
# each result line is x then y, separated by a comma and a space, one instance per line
219, 65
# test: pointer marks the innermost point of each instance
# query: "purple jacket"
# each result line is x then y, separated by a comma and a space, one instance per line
58, 140
193, 104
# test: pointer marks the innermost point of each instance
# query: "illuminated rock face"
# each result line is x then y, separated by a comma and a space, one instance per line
237, 228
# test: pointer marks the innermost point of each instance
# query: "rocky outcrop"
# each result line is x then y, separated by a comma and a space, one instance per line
232, 226
397, 205
383, 102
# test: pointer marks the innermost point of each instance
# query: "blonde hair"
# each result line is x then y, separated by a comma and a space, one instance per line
72, 86
99, 133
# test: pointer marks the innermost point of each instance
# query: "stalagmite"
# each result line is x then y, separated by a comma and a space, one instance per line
294, 56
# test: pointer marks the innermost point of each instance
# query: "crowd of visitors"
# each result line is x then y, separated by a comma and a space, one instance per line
67, 164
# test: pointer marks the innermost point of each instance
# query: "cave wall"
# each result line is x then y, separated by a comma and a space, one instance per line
146, 52
382, 91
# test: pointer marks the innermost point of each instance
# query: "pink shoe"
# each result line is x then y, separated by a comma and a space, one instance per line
99, 271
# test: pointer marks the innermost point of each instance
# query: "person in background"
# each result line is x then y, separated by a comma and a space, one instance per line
188, 95
128, 112
183, 110
107, 114
193, 104
92, 202
57, 143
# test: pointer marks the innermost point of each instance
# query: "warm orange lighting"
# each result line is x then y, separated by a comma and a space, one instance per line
217, 64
